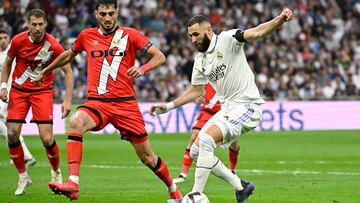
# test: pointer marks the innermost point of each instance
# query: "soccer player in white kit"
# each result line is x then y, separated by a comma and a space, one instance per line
222, 62
4, 47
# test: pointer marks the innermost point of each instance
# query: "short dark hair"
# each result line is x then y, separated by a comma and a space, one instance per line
36, 13
98, 3
4, 31
198, 19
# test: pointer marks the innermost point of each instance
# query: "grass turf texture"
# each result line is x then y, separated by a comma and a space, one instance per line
296, 166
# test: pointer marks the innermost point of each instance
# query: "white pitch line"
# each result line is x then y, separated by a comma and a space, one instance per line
257, 171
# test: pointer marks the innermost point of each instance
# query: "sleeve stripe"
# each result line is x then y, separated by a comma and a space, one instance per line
239, 35
147, 46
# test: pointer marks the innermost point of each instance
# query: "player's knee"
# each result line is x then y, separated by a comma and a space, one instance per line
206, 142
12, 136
148, 160
47, 139
76, 124
194, 151
235, 146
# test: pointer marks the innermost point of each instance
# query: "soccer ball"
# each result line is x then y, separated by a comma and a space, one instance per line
195, 197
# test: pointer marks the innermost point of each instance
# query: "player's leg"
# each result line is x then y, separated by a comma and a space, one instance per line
132, 128
187, 160
51, 149
238, 119
233, 155
17, 156
42, 110
80, 123
29, 159
157, 165
207, 162
17, 112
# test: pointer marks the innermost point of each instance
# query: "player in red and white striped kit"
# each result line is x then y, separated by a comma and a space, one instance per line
111, 52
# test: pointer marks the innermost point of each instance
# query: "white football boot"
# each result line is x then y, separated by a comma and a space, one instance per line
24, 182
56, 176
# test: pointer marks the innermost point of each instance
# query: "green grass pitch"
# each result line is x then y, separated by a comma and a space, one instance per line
286, 167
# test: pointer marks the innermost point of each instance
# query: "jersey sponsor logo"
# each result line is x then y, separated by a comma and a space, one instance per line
116, 51
218, 73
106, 53
43, 56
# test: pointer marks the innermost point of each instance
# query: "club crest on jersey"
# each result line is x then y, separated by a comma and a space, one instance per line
219, 55
115, 42
95, 42
42, 53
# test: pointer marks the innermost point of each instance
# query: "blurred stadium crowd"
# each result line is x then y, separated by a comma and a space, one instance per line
315, 57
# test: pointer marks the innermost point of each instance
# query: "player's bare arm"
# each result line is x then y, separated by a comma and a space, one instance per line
69, 88
266, 28
4, 78
65, 58
189, 95
157, 59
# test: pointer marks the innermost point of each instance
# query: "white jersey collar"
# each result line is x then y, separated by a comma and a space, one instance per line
212, 45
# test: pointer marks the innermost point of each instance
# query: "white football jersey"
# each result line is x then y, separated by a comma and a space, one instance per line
3, 55
225, 66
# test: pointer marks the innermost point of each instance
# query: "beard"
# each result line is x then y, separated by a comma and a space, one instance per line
108, 27
205, 44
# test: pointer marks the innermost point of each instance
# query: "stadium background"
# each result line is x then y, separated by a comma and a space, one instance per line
300, 70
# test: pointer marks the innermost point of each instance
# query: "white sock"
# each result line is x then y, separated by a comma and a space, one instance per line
221, 171
172, 188
23, 175
205, 162
27, 154
74, 179
3, 130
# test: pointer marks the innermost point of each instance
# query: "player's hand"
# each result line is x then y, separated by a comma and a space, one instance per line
135, 72
38, 79
200, 99
287, 14
4, 94
158, 109
65, 109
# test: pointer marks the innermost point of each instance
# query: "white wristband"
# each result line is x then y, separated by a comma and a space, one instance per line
3, 85
170, 106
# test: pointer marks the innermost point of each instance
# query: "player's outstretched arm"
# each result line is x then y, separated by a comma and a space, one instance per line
69, 88
266, 28
64, 58
157, 58
4, 77
188, 96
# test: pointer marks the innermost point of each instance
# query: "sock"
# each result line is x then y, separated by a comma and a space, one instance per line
186, 162
74, 155
53, 155
27, 154
205, 162
233, 158
161, 170
17, 155
221, 171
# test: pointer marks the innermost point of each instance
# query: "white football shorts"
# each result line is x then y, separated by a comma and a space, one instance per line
235, 119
